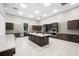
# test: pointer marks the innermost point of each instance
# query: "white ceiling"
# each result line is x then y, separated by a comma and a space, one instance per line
36, 11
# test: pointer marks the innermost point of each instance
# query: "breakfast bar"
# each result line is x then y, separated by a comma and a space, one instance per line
39, 38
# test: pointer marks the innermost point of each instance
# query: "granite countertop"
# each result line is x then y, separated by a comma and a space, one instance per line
40, 34
7, 42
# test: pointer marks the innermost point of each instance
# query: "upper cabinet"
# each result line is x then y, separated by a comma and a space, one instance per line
9, 26
50, 27
36, 28
25, 27
73, 24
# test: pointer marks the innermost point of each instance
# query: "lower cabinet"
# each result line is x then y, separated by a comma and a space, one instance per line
44, 41
37, 40
9, 52
25, 34
41, 41
73, 38
69, 37
17, 34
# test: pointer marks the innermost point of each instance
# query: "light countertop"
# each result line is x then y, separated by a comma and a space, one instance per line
40, 34
7, 42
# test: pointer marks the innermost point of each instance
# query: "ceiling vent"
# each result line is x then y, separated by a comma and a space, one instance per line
63, 4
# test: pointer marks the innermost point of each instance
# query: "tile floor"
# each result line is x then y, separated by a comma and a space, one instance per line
24, 47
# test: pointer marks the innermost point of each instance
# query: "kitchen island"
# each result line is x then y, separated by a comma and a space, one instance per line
39, 38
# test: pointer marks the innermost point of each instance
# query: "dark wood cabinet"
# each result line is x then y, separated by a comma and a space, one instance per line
73, 38
9, 26
73, 24
41, 41
68, 37
8, 52
17, 34
25, 27
36, 28
25, 34
49, 27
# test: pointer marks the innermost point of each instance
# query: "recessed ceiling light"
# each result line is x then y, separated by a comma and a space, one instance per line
23, 5
45, 15
20, 12
47, 4
36, 11
55, 10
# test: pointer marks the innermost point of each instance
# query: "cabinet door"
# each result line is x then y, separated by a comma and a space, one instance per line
8, 52
71, 25
44, 41
46, 28
74, 24
76, 38
25, 27
38, 40
9, 26
54, 25
17, 34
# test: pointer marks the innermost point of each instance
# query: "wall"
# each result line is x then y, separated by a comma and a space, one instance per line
62, 20
2, 20
18, 22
